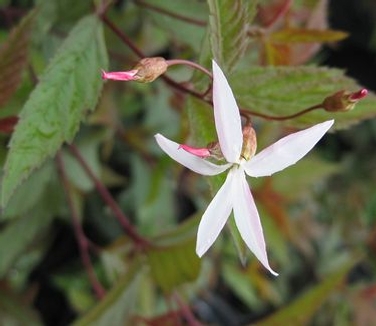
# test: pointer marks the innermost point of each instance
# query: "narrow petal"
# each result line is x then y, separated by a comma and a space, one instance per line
119, 75
287, 151
227, 117
190, 161
215, 217
247, 218
356, 96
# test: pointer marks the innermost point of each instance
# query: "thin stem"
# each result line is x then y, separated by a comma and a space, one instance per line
109, 200
169, 13
195, 65
122, 36
103, 7
186, 311
83, 243
246, 113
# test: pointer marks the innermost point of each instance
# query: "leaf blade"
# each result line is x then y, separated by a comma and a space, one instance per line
118, 304
173, 260
52, 114
13, 57
228, 22
302, 35
301, 310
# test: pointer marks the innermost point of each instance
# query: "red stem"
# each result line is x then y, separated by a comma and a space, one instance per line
195, 65
170, 14
122, 36
83, 243
186, 311
109, 200
246, 113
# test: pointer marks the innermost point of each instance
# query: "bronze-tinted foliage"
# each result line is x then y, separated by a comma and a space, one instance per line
13, 57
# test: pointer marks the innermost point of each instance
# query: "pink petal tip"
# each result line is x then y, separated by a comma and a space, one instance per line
356, 96
119, 75
200, 152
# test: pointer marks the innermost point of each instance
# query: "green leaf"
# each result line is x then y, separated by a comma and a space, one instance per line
201, 120
117, 306
229, 21
242, 287
69, 87
173, 260
12, 245
77, 289
30, 192
301, 310
281, 91
174, 265
88, 147
202, 128
13, 57
275, 240
239, 244
14, 311
295, 181
190, 32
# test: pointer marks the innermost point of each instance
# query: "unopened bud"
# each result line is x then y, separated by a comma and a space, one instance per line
249, 142
119, 75
146, 70
149, 69
343, 100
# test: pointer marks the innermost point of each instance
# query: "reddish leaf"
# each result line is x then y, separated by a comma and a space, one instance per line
270, 14
277, 54
292, 46
363, 304
13, 58
7, 124
303, 35
275, 204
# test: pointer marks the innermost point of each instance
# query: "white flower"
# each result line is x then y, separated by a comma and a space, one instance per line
235, 193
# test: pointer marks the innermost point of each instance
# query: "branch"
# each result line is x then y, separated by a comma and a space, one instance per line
83, 243
170, 14
110, 202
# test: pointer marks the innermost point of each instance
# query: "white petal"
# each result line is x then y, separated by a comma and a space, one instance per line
190, 161
227, 117
287, 151
247, 218
215, 217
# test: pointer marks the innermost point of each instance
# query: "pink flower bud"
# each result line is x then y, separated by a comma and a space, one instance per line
145, 71
150, 69
120, 75
200, 152
358, 95
343, 100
